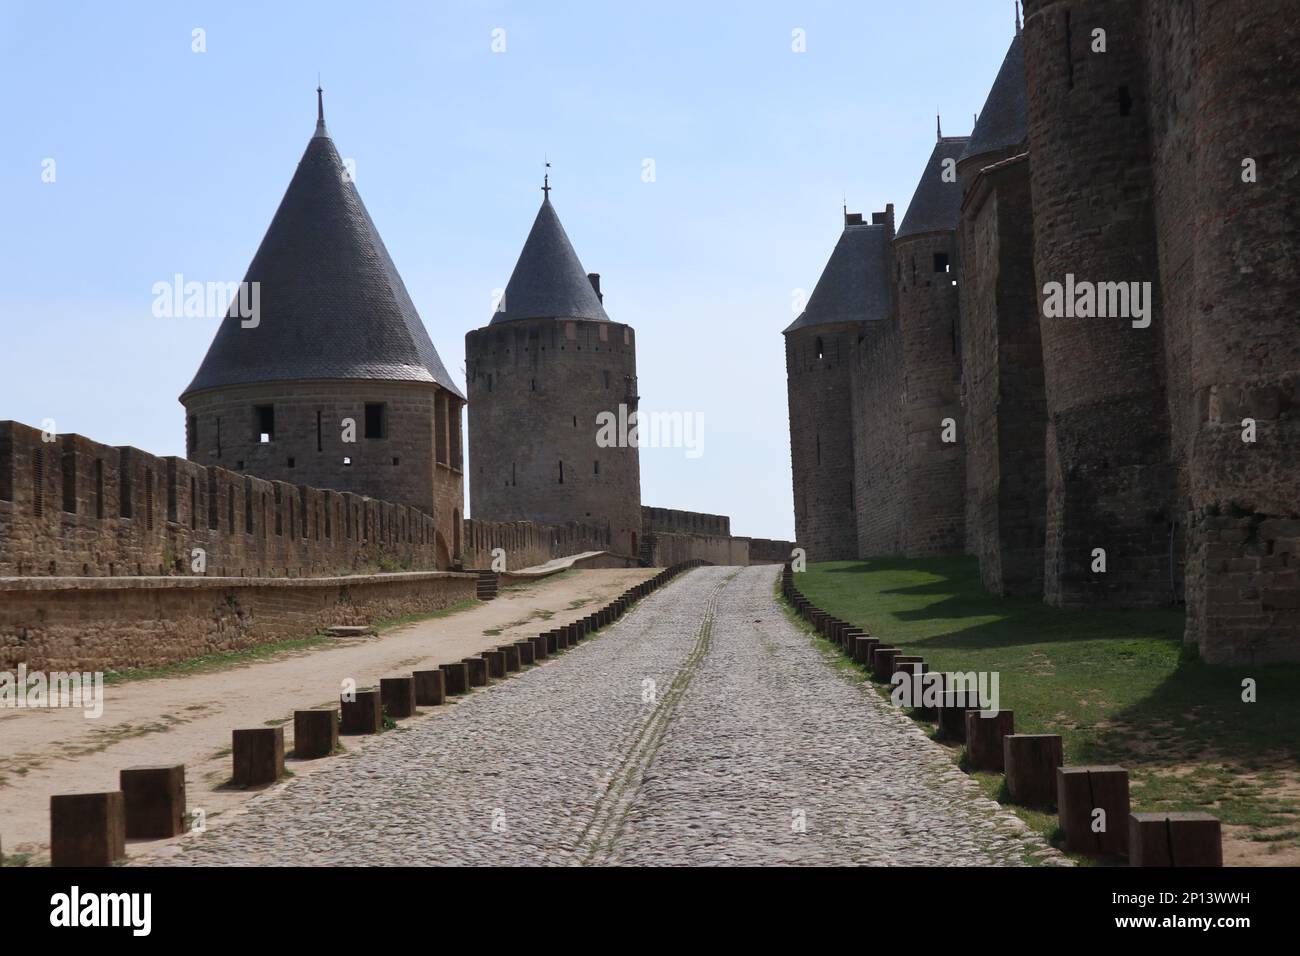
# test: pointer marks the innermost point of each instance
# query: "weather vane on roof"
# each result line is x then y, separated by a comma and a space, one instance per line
546, 179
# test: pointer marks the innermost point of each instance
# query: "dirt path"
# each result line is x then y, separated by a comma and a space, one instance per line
188, 719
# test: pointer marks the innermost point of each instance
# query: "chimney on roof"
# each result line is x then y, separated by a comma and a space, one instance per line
853, 219
594, 279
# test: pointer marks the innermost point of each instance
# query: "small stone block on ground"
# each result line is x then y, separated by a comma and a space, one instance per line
398, 696
1030, 762
984, 738
430, 688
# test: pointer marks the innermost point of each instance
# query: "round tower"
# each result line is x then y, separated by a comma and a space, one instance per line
322, 372
1109, 472
820, 347
552, 394
925, 277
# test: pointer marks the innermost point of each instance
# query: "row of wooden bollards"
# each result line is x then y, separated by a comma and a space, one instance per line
91, 829
1092, 802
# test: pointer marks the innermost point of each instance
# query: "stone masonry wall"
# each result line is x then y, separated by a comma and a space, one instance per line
536, 389
879, 440
108, 624
1109, 473
528, 544
926, 292
73, 507
818, 361
1002, 379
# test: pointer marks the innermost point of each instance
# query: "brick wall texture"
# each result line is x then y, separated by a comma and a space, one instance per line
1160, 148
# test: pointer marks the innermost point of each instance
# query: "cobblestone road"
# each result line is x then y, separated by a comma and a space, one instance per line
703, 728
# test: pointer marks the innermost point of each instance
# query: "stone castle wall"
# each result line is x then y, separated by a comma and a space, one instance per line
879, 441
818, 362
1004, 408
74, 507
934, 511
528, 544
535, 391
412, 457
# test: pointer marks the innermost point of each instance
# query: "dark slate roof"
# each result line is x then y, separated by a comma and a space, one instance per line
549, 281
854, 286
332, 304
1004, 121
936, 204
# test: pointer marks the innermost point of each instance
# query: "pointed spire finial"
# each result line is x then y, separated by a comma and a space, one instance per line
938, 126
320, 108
546, 182
1017, 17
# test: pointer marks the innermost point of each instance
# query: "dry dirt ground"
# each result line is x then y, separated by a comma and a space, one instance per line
188, 719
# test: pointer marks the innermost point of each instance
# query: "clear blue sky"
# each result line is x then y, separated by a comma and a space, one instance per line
172, 161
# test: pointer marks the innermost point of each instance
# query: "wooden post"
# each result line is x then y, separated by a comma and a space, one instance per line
882, 662
984, 738
496, 662
1093, 809
258, 756
456, 677
1031, 761
430, 688
527, 651
362, 715
87, 829
511, 652
154, 799
1174, 839
478, 671
315, 733
397, 694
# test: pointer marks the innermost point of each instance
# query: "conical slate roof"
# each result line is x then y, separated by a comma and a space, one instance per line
936, 204
1004, 121
549, 281
332, 305
854, 286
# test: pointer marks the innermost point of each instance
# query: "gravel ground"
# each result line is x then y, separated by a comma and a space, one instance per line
703, 728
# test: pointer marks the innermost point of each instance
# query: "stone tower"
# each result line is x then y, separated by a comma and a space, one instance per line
925, 277
541, 376
1002, 366
334, 381
1110, 476
819, 350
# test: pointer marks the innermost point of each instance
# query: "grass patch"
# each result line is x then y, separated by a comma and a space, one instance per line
1117, 686
219, 661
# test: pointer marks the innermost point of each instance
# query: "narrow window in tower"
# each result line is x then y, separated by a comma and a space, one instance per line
512, 474
561, 472
941, 262
38, 483
124, 486
489, 381
69, 480
375, 420
192, 436
1069, 61
1125, 101
575, 421
291, 462
532, 385
320, 445
820, 350
265, 416
595, 468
